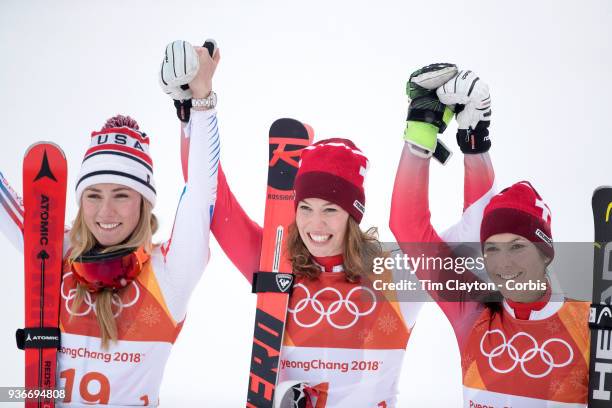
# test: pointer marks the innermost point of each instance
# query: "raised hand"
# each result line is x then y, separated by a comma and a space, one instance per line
469, 95
427, 116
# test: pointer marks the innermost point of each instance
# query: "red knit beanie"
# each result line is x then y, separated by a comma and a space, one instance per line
519, 210
333, 170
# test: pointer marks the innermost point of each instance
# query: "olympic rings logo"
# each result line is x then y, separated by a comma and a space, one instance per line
528, 355
333, 308
91, 304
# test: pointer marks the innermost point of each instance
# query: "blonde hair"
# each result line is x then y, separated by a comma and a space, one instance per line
360, 249
82, 241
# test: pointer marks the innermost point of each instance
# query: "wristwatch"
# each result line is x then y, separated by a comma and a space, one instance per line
203, 104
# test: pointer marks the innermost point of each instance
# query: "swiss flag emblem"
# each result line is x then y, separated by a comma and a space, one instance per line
545, 210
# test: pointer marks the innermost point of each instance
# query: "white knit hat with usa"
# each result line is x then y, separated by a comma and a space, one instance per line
118, 154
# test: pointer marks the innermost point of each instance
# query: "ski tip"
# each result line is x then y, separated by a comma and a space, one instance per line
310, 130
602, 213
47, 144
602, 189
286, 121
602, 197
289, 128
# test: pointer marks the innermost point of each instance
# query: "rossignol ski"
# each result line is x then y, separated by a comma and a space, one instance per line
44, 197
600, 318
274, 281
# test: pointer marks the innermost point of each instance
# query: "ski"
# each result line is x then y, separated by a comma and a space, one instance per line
274, 281
600, 318
44, 197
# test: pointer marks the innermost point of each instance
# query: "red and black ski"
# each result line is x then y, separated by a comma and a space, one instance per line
287, 139
44, 197
600, 318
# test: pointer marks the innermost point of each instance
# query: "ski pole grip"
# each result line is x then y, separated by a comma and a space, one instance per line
442, 153
600, 316
38, 338
211, 46
275, 282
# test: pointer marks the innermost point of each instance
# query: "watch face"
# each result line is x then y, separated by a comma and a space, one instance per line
212, 99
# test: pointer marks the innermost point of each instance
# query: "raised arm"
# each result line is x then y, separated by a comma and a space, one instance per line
410, 219
478, 188
238, 235
11, 214
186, 253
478, 179
472, 100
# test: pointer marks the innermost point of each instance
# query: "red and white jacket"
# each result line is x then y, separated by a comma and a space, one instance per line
537, 362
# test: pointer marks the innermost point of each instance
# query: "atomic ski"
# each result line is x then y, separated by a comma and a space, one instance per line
273, 284
44, 197
600, 318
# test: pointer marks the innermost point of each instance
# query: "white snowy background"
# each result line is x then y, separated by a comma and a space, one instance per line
340, 66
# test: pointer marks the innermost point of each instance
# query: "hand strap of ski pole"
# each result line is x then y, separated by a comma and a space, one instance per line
275, 282
38, 338
600, 316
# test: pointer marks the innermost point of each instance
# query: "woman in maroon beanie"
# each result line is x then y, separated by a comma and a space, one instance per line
529, 347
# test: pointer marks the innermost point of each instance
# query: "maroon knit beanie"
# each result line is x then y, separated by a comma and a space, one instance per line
333, 170
519, 210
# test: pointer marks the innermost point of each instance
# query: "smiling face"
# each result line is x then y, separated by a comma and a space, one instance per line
322, 226
513, 257
111, 212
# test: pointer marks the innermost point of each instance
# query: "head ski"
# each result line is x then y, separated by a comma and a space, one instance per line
600, 318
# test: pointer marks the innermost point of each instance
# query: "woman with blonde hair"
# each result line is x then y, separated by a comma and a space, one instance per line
124, 299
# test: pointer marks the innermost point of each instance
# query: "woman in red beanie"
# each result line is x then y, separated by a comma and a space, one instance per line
343, 345
531, 347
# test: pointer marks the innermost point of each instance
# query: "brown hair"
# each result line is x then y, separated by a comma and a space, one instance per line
360, 249
82, 240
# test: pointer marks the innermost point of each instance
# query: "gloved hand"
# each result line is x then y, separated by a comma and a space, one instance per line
299, 394
178, 68
470, 97
427, 116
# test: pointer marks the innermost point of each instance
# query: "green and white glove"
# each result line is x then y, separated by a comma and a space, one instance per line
427, 116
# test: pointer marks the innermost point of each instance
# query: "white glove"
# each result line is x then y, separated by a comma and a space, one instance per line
467, 89
291, 394
179, 66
